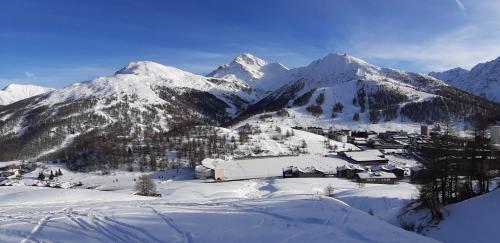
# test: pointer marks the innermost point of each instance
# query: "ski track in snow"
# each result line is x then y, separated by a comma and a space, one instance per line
184, 236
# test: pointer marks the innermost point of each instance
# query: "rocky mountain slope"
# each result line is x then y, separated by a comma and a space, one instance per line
15, 92
483, 79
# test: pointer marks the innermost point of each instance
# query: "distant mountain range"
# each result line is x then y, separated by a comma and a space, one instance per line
144, 98
15, 92
483, 79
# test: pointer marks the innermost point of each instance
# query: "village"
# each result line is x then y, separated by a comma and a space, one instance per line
379, 158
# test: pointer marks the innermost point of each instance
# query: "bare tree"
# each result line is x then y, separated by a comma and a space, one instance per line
330, 191
145, 186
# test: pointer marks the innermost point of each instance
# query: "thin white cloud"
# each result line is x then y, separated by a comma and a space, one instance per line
460, 5
29, 75
474, 42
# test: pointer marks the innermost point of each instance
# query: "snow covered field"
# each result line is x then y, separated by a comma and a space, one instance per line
270, 167
262, 210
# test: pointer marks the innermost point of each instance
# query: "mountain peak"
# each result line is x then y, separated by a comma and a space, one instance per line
336, 67
249, 59
245, 67
140, 67
341, 59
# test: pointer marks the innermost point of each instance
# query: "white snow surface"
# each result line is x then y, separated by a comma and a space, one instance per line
16, 92
473, 220
263, 210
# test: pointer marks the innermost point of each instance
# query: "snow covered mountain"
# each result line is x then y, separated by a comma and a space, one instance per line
15, 92
343, 90
146, 98
141, 97
483, 79
248, 69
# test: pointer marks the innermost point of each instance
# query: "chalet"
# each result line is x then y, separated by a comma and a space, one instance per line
359, 141
365, 157
294, 171
376, 177
375, 168
391, 168
387, 144
315, 130
349, 171
392, 151
290, 171
202, 172
340, 137
209, 170
392, 134
397, 170
418, 143
248, 129
346, 132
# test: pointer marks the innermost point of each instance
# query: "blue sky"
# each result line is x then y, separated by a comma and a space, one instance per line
58, 42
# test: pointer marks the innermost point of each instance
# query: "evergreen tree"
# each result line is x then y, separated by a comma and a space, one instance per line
355, 117
41, 176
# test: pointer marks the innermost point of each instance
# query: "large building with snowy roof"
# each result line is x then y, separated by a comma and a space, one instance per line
365, 157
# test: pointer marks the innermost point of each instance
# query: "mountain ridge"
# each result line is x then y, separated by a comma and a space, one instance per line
16, 92
482, 80
145, 98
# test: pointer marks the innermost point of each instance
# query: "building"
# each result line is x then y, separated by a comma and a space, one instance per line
315, 130
398, 171
358, 141
294, 171
376, 177
219, 174
209, 170
382, 144
424, 130
349, 171
202, 172
365, 157
340, 137
495, 135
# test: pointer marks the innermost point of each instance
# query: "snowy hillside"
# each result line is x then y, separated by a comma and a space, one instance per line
343, 91
459, 224
146, 99
267, 210
143, 79
15, 92
483, 79
261, 76
143, 96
